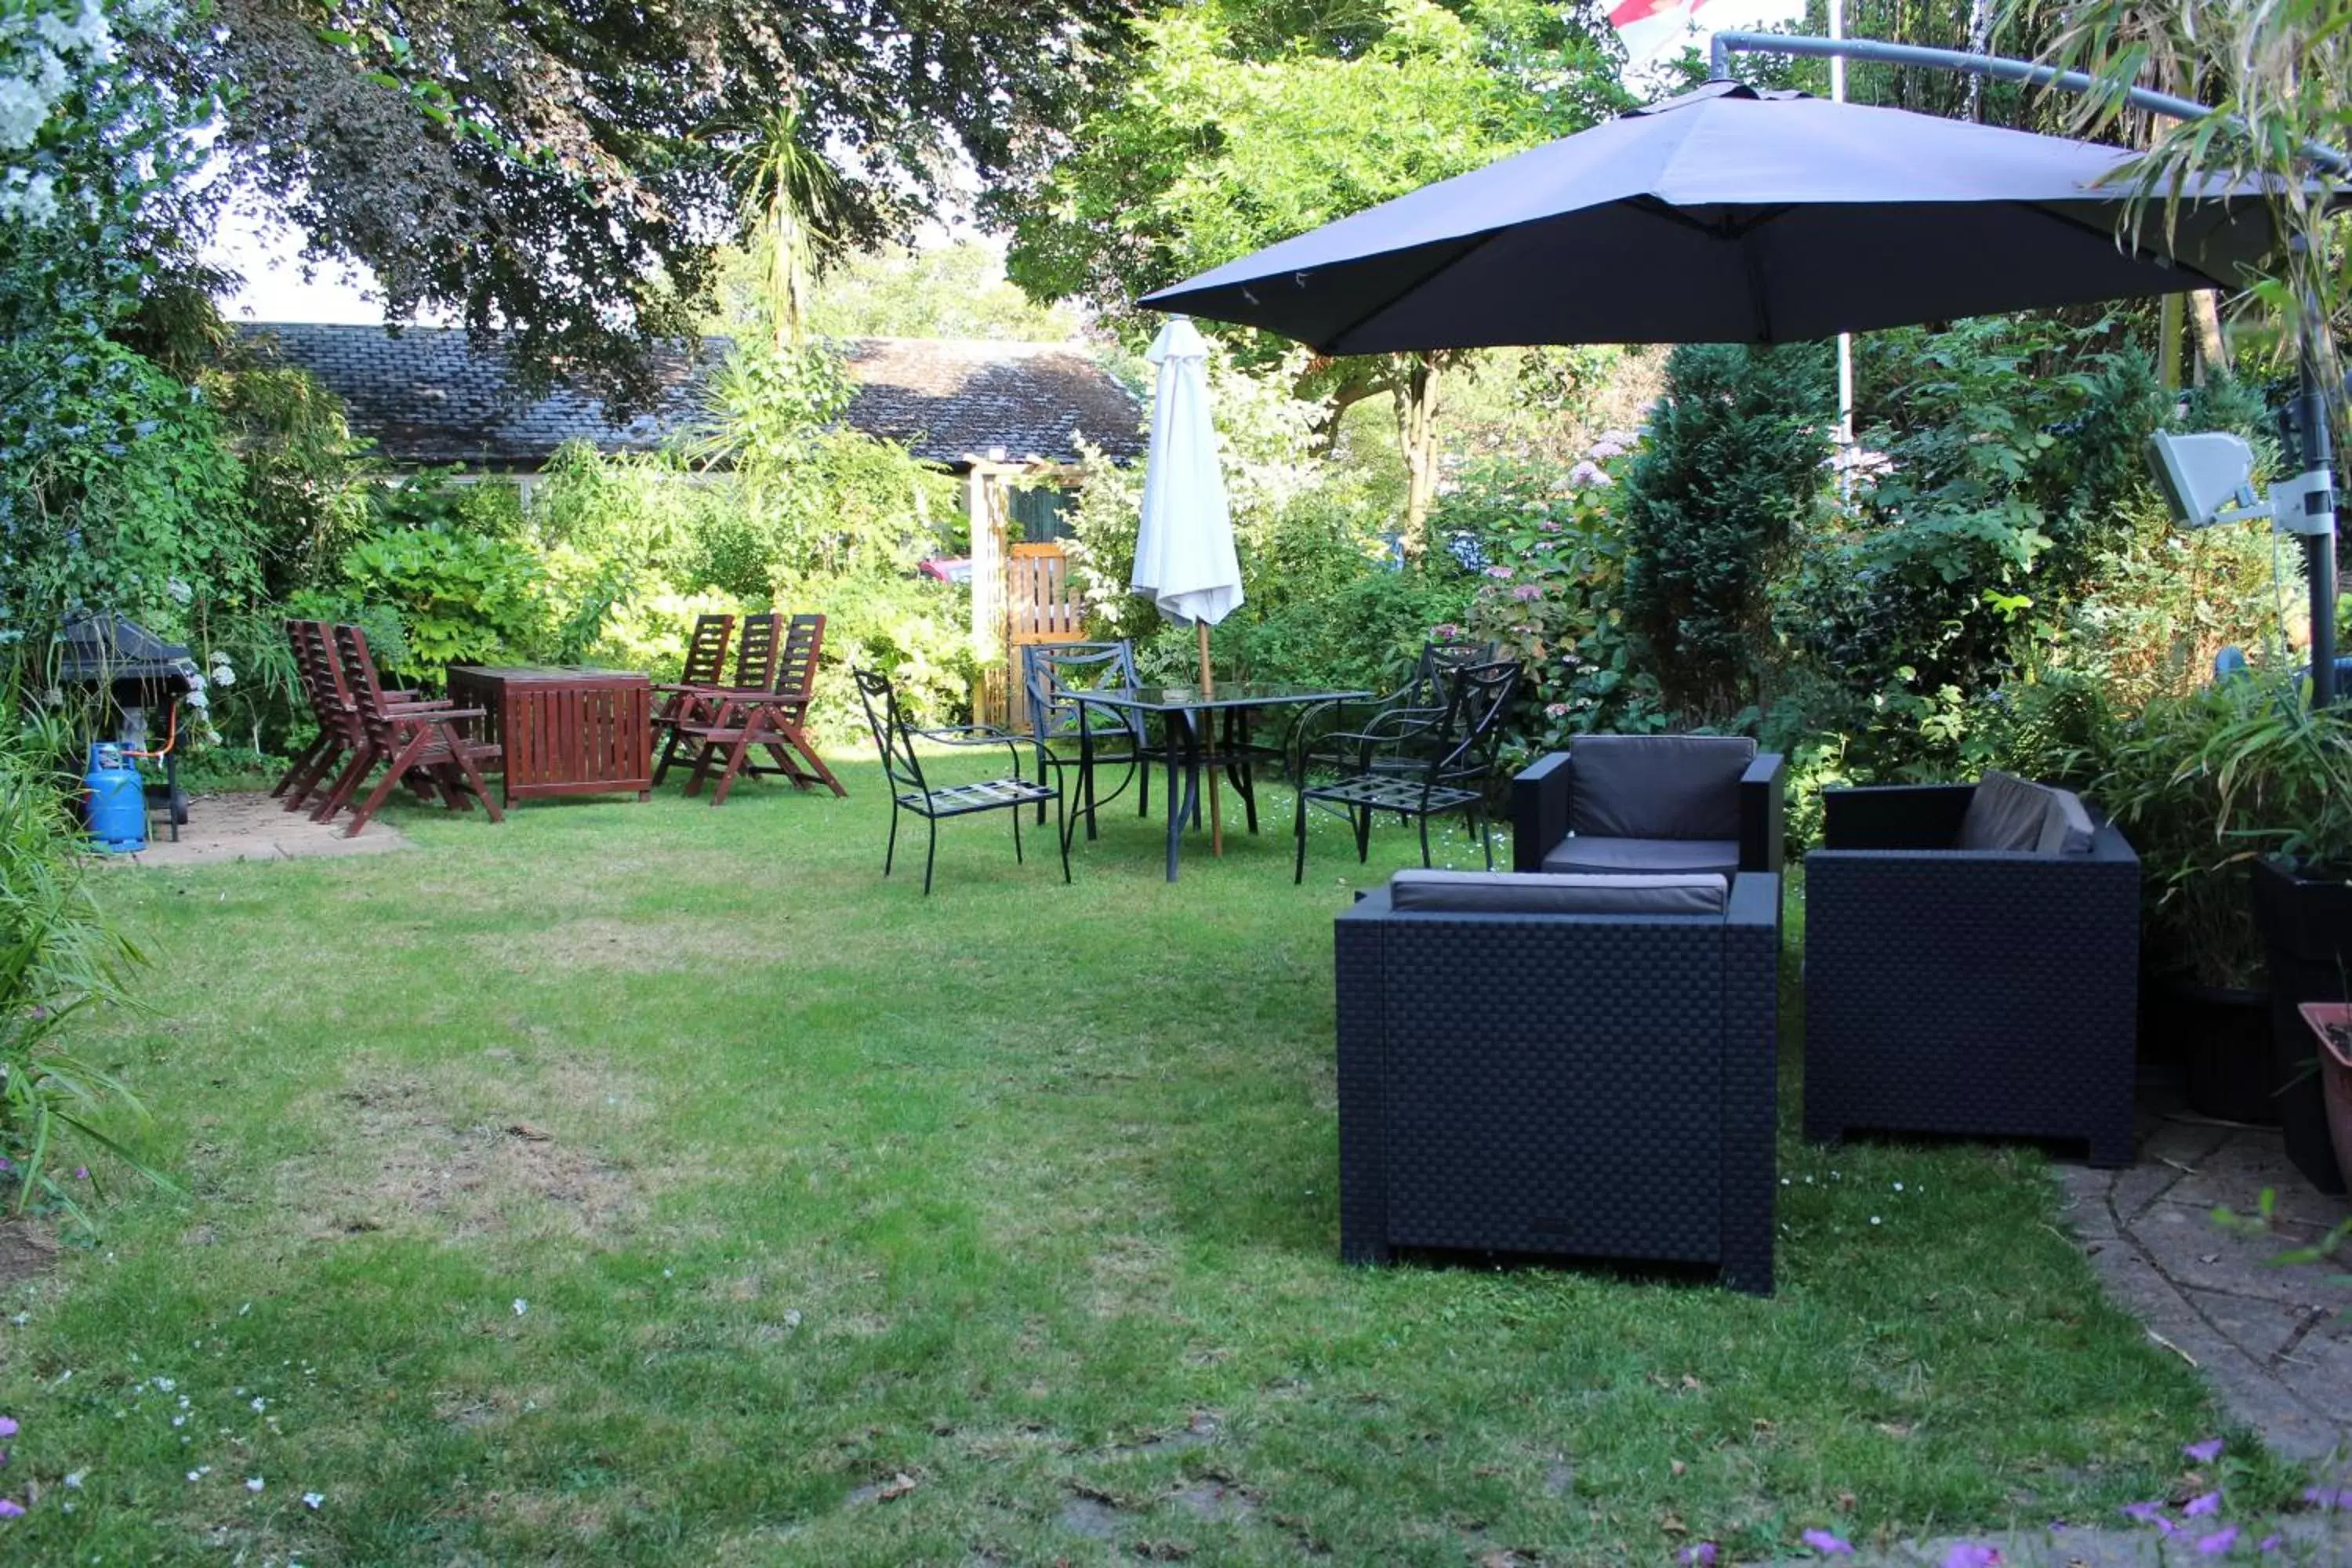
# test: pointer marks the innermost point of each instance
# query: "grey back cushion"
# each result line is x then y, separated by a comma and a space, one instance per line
2065, 824
1657, 787
2006, 813
1539, 893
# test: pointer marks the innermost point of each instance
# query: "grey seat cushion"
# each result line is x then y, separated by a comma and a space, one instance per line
2009, 814
1514, 892
1657, 787
1652, 857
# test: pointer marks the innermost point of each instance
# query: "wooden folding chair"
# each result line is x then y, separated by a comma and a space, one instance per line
774, 721
337, 725
705, 664
429, 737
756, 653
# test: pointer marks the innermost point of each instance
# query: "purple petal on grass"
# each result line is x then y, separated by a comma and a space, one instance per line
1828, 1546
1968, 1555
2204, 1453
2326, 1498
1699, 1556
2145, 1512
10, 1509
2270, 1543
2218, 1542
2198, 1507
7, 1427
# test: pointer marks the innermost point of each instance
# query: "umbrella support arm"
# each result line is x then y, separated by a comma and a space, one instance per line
2312, 442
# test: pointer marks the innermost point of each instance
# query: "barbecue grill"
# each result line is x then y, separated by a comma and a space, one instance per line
141, 675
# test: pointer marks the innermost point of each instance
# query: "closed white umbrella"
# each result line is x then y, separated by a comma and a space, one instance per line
1184, 560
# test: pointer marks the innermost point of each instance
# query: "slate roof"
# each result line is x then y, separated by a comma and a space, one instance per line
426, 398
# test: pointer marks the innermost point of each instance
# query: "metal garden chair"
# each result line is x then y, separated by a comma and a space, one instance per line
912, 792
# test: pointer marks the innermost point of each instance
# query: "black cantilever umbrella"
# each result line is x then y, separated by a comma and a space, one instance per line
1731, 215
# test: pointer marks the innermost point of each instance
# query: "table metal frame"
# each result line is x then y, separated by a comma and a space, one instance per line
1182, 710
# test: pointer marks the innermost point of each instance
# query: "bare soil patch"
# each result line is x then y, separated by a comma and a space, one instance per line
400, 1156
28, 1250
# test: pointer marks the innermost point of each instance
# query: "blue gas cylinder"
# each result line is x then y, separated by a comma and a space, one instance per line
118, 800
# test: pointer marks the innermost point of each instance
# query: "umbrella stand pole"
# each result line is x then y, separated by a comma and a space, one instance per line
1208, 688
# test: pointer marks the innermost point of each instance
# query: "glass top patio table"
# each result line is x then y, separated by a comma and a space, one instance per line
1176, 706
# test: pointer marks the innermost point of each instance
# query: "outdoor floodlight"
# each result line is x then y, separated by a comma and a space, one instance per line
2201, 476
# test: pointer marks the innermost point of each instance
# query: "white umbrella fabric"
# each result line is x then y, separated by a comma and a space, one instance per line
1184, 558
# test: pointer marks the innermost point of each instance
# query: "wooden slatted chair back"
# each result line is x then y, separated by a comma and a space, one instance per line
366, 690
706, 650
797, 669
757, 650
323, 682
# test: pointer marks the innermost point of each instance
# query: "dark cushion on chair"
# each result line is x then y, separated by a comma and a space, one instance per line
1655, 857
1514, 892
2005, 813
2066, 827
1658, 786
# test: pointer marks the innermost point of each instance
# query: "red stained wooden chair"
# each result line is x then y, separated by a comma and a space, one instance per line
744, 724
705, 667
427, 739
699, 707
338, 724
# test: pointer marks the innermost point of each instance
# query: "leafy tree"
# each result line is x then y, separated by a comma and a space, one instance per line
565, 173
1231, 138
1711, 507
957, 290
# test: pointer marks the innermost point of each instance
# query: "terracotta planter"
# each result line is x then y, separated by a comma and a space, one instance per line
2331, 1022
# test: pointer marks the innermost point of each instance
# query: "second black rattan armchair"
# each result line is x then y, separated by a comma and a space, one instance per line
1671, 803
1983, 992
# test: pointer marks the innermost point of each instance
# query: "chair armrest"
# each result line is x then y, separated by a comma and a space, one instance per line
1540, 810
979, 735
1755, 899
1763, 822
1894, 816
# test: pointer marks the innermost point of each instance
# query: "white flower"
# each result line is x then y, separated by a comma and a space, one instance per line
312, 1500
521, 1306
253, 1483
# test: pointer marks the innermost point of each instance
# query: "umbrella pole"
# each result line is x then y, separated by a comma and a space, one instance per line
1208, 688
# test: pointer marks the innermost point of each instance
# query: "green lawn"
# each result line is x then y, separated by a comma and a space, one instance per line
652, 1183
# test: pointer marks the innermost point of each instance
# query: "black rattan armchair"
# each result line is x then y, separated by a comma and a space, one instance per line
1614, 804
912, 793
1521, 1079
1979, 991
1423, 763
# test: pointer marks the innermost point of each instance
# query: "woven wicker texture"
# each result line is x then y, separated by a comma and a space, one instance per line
1584, 1086
1974, 994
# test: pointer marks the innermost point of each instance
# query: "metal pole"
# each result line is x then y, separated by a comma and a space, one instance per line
2312, 439
1846, 339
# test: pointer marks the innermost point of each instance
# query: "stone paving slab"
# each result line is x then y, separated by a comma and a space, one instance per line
252, 825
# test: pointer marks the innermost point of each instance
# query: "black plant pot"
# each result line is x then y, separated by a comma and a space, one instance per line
2306, 926
2221, 1037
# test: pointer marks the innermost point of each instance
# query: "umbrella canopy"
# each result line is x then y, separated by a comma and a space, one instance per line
1184, 558
1731, 215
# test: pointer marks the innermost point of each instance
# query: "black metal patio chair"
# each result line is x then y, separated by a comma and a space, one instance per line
1069, 734
911, 791
1351, 735
1421, 765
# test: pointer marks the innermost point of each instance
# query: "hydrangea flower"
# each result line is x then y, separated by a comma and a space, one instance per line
1828, 1546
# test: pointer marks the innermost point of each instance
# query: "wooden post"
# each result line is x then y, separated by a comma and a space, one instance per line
1208, 688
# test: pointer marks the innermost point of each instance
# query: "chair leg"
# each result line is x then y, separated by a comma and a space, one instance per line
734, 767
340, 793
1298, 831
395, 771
1015, 814
931, 852
799, 742
1425, 841
302, 760
1364, 816
1486, 832
1063, 823
315, 772
472, 774
890, 850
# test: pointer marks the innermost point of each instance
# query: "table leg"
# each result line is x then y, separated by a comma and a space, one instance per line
1183, 806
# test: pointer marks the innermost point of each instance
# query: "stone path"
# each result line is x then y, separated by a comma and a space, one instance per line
2273, 1342
251, 825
